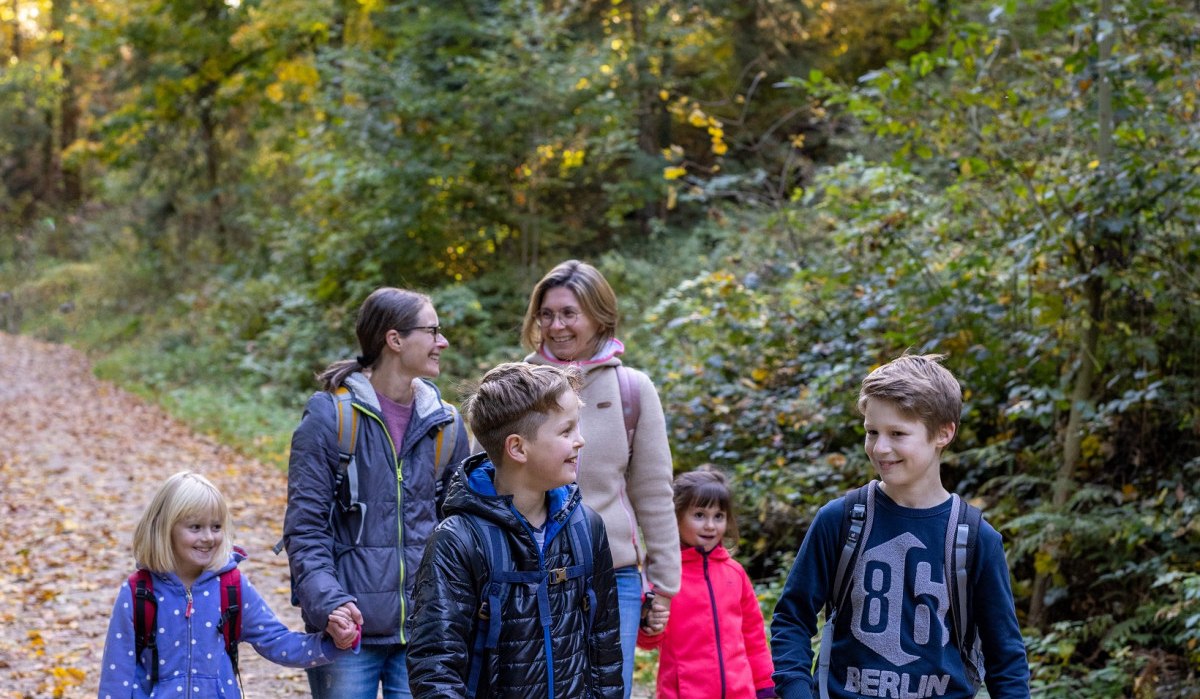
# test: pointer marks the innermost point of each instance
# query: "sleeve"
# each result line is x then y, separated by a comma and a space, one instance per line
445, 606
647, 641
312, 469
607, 658
649, 478
119, 671
1004, 658
754, 634
275, 641
804, 593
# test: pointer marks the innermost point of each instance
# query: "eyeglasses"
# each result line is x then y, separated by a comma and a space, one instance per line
433, 330
568, 316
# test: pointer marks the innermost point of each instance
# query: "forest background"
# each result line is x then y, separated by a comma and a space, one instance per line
785, 193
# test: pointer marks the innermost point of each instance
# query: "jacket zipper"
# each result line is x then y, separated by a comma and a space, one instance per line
712, 600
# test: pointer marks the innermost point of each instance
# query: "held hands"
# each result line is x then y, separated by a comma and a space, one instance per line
656, 610
345, 626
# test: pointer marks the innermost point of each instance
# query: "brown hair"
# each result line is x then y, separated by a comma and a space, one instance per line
516, 398
387, 308
706, 487
183, 495
920, 387
596, 299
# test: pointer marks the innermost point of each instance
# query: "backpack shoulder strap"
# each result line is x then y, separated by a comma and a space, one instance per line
230, 623
857, 513
447, 433
581, 550
498, 559
347, 436
631, 401
145, 620
962, 538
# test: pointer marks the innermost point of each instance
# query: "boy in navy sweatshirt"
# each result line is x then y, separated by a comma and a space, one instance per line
894, 633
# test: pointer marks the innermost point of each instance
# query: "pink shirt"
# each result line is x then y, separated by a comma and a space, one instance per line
395, 418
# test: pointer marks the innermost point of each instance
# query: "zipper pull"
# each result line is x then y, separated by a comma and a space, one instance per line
187, 613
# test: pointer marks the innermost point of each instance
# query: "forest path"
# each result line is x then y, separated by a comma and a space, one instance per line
81, 459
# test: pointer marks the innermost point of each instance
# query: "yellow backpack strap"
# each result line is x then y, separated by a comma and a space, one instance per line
440, 462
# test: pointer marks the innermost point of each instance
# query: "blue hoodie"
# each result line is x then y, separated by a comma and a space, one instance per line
191, 651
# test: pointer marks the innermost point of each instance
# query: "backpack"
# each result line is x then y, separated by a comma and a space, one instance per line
962, 536
145, 616
502, 577
347, 434
631, 402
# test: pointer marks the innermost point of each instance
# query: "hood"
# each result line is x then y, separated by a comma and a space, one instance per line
472, 491
607, 356
427, 399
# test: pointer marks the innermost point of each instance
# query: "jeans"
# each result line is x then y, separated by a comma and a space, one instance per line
359, 676
629, 600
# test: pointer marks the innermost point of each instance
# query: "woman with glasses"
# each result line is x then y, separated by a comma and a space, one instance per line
362, 490
624, 475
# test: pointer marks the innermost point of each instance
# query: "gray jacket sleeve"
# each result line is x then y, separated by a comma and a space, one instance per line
312, 472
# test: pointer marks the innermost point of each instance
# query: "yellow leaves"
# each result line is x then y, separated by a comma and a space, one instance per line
617, 44
674, 172
698, 118
606, 69
583, 84
664, 95
759, 374
1093, 165
295, 79
836, 460
798, 141
719, 147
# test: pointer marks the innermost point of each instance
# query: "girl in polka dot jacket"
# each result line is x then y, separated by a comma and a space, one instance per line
182, 540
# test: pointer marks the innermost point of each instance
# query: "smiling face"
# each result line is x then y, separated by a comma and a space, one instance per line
702, 527
420, 350
552, 456
196, 540
904, 453
571, 333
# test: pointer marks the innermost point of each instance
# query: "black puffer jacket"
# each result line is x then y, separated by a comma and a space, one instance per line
451, 580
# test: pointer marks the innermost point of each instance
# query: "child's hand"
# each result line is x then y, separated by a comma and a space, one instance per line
344, 625
655, 614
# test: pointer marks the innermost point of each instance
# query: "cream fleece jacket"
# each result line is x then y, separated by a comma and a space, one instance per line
631, 491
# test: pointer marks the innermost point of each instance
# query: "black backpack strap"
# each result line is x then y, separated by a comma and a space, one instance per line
145, 620
857, 513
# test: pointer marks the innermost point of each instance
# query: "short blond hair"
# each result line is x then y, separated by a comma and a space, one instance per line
185, 494
920, 387
516, 398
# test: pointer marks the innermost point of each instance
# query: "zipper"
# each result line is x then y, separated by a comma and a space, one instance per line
187, 614
399, 518
712, 600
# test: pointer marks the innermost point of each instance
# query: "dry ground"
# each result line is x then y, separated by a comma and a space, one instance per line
81, 458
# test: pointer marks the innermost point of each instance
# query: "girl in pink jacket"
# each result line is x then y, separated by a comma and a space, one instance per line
714, 644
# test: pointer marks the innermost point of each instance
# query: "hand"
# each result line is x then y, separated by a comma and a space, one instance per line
344, 625
656, 617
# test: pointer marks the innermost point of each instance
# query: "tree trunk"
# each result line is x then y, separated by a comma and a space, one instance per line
1085, 377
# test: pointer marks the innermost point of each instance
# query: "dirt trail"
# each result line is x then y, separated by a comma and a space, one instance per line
80, 459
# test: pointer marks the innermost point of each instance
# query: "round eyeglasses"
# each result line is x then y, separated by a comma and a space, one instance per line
568, 316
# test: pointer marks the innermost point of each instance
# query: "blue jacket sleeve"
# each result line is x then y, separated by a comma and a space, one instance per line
794, 623
119, 672
312, 469
276, 642
1004, 658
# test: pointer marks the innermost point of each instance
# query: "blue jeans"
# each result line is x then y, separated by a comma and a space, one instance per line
359, 676
629, 600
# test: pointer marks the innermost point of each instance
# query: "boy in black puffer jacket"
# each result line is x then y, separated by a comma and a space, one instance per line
516, 596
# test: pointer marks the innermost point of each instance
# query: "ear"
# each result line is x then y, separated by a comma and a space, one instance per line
945, 435
393, 340
515, 448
